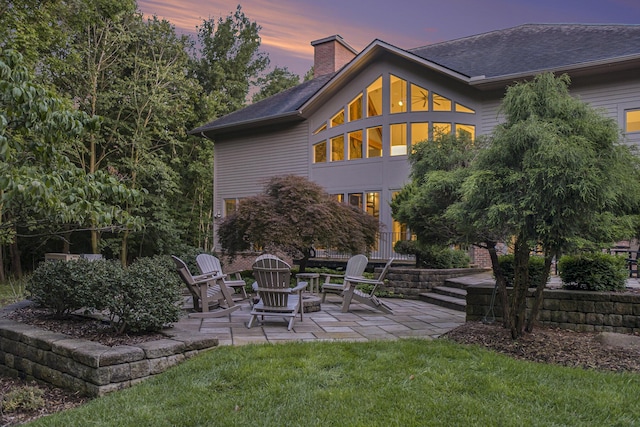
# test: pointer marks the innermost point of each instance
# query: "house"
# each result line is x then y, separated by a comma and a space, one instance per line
351, 127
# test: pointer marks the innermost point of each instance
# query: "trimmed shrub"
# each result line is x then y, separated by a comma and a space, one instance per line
148, 297
536, 269
593, 272
433, 256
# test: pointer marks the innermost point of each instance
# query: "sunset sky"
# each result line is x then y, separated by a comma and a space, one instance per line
288, 26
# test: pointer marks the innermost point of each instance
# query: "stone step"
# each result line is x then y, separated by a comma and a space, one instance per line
449, 291
447, 301
476, 279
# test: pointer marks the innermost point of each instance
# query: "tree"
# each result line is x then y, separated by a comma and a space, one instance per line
294, 215
275, 82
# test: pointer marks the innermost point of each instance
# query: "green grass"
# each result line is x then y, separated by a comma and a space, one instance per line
386, 383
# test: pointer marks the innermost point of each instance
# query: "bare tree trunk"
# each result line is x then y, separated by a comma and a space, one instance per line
16, 265
501, 283
520, 287
3, 277
124, 249
538, 296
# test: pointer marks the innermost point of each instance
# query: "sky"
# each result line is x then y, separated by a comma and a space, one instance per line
289, 26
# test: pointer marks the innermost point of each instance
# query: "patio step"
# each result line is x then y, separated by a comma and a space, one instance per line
446, 296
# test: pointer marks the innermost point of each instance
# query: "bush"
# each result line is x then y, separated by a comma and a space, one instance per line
593, 272
536, 269
25, 398
147, 298
66, 286
433, 256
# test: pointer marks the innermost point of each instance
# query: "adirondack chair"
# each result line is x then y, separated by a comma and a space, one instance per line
277, 299
351, 294
206, 290
355, 268
209, 264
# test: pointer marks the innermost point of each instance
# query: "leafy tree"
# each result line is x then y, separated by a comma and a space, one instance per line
275, 82
294, 215
228, 61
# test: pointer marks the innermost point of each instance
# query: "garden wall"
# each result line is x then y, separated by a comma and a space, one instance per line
582, 311
411, 282
87, 367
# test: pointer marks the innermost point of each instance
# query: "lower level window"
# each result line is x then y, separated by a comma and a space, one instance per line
632, 121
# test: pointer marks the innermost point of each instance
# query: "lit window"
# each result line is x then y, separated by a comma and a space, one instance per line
419, 98
440, 129
440, 103
467, 130
338, 119
398, 95
419, 132
337, 148
320, 129
373, 204
398, 139
374, 98
399, 230
462, 109
338, 197
355, 109
320, 152
355, 145
355, 200
230, 206
374, 142
632, 121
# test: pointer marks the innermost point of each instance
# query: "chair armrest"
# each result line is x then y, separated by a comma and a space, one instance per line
329, 276
299, 287
362, 280
207, 277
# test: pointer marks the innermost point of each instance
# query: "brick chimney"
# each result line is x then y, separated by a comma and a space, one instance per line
331, 54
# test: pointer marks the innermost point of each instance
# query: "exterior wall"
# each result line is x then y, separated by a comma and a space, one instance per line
575, 310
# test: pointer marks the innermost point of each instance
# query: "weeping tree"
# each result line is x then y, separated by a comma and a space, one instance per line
293, 215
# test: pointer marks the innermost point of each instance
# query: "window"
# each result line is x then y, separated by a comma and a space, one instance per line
440, 103
419, 98
632, 121
419, 132
320, 129
398, 95
374, 98
355, 145
398, 135
320, 152
355, 109
374, 142
468, 130
462, 109
337, 148
440, 129
338, 119
338, 197
373, 204
230, 206
355, 200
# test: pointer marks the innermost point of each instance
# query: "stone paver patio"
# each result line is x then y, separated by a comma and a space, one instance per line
411, 319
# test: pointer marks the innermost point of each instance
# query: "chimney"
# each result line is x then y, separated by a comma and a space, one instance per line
331, 54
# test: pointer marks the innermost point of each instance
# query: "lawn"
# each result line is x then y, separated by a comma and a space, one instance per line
385, 383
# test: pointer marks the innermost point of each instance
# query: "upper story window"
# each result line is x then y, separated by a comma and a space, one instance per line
320, 129
320, 152
632, 121
374, 98
355, 109
398, 94
337, 148
419, 98
338, 119
374, 142
440, 103
462, 109
398, 139
355, 145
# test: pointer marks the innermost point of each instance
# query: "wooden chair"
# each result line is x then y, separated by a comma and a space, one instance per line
206, 290
277, 298
355, 268
209, 264
351, 294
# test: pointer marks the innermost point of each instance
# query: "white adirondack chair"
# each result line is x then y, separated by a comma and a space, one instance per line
209, 264
351, 294
355, 268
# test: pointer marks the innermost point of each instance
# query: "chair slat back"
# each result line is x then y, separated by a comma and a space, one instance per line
208, 263
273, 277
185, 274
356, 265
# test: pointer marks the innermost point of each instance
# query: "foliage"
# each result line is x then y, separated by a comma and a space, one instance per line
26, 398
536, 269
406, 382
147, 298
275, 82
593, 272
430, 256
294, 214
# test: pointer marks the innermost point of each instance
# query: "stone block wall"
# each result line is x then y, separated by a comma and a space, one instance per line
411, 282
575, 310
88, 367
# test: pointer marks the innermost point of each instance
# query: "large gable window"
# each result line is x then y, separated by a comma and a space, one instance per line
632, 121
355, 145
398, 139
374, 141
419, 98
338, 119
440, 103
337, 148
374, 98
398, 94
355, 109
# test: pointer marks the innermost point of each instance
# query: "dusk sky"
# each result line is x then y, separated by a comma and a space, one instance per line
288, 26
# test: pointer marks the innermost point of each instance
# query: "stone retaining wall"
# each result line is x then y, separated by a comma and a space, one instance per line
582, 311
87, 367
411, 282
